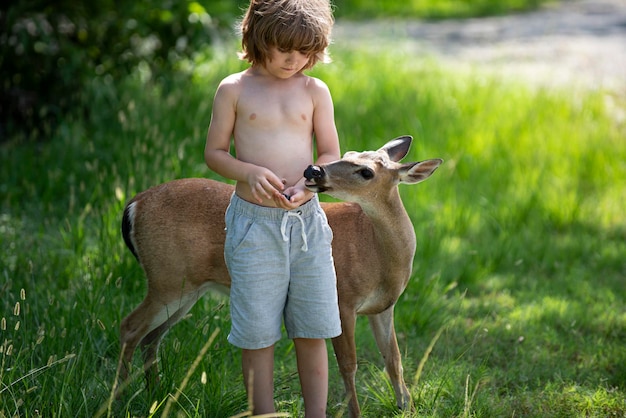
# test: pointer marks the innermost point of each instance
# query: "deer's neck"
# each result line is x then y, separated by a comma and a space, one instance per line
393, 229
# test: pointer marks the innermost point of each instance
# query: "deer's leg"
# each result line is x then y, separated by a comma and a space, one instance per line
385, 334
146, 326
149, 348
345, 352
150, 343
133, 329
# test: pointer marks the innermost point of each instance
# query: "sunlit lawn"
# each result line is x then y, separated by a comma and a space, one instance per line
518, 281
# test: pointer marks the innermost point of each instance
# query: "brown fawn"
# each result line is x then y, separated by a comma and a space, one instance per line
176, 231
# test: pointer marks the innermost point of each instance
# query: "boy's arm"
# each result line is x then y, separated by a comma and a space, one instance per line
326, 139
217, 149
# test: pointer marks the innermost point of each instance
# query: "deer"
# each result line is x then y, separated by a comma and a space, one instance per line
176, 231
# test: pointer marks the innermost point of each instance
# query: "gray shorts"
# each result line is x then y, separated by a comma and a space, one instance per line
281, 268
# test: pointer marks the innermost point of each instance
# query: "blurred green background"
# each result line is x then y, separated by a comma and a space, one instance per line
50, 51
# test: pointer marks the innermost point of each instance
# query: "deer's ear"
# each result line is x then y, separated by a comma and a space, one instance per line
417, 172
397, 148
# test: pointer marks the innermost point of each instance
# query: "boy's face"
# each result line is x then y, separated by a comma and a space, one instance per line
284, 64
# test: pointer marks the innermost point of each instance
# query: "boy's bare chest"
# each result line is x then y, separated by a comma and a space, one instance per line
265, 106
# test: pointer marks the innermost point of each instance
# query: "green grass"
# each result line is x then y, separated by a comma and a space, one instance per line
416, 9
431, 9
518, 285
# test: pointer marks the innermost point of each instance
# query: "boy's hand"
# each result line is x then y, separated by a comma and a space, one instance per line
293, 197
264, 184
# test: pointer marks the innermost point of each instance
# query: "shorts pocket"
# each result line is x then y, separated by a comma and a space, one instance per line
326, 229
238, 228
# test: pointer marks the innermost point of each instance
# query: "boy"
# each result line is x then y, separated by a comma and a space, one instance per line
278, 240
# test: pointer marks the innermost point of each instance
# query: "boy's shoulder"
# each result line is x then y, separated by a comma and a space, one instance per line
316, 86
315, 82
231, 86
233, 79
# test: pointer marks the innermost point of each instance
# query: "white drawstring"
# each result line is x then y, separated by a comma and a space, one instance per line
283, 228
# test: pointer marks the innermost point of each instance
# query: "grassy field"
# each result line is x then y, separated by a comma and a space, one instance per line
516, 307
426, 9
431, 9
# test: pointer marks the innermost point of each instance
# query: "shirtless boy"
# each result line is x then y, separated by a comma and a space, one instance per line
278, 240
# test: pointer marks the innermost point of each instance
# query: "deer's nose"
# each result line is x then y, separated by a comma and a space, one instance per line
313, 172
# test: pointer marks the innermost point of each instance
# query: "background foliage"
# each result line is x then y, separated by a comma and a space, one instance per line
431, 9
50, 51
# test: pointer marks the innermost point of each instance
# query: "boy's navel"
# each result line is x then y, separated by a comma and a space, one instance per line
252, 116
303, 116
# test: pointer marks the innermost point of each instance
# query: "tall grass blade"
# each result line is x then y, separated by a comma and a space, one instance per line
173, 399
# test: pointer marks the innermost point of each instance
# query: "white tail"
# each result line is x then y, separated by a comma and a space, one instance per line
176, 231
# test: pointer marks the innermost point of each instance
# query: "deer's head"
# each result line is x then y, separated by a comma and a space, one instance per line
359, 176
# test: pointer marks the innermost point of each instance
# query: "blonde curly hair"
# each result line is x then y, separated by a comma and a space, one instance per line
289, 25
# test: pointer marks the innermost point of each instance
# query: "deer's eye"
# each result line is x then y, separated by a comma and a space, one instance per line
366, 173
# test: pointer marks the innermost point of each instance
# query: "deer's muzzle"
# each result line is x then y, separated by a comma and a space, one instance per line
314, 175
313, 172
